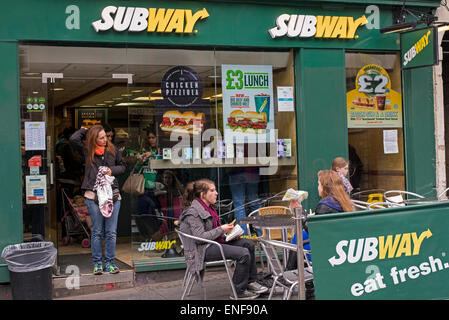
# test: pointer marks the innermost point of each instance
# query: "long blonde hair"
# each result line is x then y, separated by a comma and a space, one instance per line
91, 142
332, 185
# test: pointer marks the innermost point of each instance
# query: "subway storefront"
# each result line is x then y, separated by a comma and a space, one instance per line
256, 97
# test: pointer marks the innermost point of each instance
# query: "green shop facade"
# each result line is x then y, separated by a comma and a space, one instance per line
318, 78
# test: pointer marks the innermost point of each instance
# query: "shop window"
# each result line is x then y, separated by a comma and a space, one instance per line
177, 116
375, 123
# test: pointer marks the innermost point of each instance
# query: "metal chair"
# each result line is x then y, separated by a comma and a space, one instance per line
397, 196
272, 234
190, 278
362, 205
289, 277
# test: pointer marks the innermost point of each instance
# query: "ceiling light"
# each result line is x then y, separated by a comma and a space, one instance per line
109, 101
31, 73
142, 99
117, 98
57, 89
157, 91
137, 91
126, 95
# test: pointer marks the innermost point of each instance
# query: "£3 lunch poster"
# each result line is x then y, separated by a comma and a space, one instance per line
248, 113
373, 103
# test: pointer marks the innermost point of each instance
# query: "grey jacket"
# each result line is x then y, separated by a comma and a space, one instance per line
196, 221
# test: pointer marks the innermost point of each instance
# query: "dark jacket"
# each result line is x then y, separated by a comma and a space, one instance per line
328, 205
196, 221
115, 163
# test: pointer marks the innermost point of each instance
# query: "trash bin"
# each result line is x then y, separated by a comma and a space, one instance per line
30, 269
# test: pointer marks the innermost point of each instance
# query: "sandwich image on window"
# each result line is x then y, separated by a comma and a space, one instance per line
185, 122
248, 122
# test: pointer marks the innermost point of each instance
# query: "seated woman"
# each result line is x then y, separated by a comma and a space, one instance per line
201, 220
334, 199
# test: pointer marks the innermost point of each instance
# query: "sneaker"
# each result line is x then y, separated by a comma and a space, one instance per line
257, 288
246, 295
98, 269
111, 268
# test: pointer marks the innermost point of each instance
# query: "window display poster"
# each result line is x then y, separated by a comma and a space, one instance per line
285, 99
34, 136
36, 189
373, 104
247, 103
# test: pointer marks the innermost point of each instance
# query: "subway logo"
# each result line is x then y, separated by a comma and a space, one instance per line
150, 19
382, 247
307, 26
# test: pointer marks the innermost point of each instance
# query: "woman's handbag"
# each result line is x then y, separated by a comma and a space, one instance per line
135, 183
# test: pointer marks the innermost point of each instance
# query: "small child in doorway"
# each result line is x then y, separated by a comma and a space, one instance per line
341, 166
79, 204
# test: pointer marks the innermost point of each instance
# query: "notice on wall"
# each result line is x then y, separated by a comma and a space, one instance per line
247, 103
285, 99
36, 189
34, 136
373, 104
390, 141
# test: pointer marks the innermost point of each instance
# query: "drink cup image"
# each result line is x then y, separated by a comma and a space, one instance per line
262, 102
380, 102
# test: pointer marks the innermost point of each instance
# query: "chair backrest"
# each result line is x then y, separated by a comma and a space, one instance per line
275, 234
272, 258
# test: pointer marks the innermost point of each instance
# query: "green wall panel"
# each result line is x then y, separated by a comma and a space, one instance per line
227, 25
10, 165
419, 129
321, 114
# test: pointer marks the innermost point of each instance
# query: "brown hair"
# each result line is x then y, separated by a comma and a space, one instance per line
339, 163
333, 186
188, 195
194, 189
91, 142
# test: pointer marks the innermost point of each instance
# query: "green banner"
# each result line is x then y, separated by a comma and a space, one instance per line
399, 253
419, 48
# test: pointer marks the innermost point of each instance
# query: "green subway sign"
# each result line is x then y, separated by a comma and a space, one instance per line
398, 253
419, 48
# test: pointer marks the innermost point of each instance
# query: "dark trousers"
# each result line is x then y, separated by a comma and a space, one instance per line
242, 251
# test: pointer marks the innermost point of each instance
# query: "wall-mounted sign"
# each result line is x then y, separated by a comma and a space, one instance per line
308, 26
88, 117
35, 104
36, 189
247, 102
419, 48
149, 19
373, 104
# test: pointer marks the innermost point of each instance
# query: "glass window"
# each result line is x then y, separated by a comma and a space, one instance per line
375, 131
176, 116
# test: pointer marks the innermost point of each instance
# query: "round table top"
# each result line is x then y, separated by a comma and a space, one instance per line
274, 221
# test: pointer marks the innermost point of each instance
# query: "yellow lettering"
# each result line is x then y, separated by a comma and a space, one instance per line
176, 22
418, 241
192, 19
171, 244
158, 18
353, 25
325, 26
385, 246
405, 246
340, 28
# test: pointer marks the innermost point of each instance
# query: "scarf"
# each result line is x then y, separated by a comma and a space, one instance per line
99, 150
215, 220
346, 183
103, 187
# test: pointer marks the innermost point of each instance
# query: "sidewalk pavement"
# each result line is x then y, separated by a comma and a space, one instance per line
168, 286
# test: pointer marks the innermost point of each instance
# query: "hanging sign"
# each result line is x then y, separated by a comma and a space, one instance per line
419, 48
373, 104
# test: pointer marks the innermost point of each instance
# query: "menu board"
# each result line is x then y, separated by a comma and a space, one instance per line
248, 113
373, 104
88, 117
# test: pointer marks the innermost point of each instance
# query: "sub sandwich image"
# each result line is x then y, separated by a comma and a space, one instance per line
185, 122
247, 122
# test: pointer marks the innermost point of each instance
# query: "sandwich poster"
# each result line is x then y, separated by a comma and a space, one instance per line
248, 113
373, 104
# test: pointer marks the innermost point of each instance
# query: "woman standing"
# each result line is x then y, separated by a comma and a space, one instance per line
100, 152
201, 220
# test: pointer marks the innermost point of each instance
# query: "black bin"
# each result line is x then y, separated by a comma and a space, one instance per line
30, 269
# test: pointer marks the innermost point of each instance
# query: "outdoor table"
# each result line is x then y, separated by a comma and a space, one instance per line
283, 221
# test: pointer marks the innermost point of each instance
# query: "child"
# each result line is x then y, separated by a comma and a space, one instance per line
341, 166
79, 203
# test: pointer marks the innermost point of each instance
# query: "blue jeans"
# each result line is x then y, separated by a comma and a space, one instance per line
103, 228
242, 189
